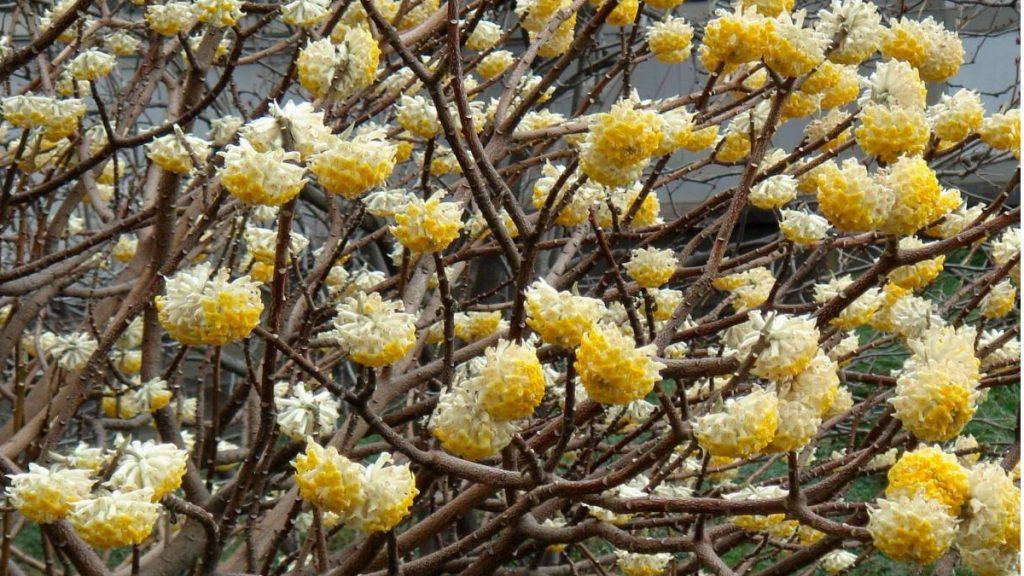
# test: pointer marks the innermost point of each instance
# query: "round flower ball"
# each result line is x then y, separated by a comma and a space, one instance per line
612, 369
116, 519
328, 480
744, 426
932, 472
913, 529
197, 309
428, 225
651, 267
43, 495
511, 381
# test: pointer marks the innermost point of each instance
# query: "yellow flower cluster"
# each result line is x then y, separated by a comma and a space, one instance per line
578, 208
560, 318
743, 427
170, 19
937, 53
472, 326
798, 423
304, 13
460, 423
774, 524
989, 540
622, 200
1006, 247
734, 38
792, 50
198, 310
917, 276
854, 27
495, 64
91, 64
534, 15
956, 116
932, 472
917, 196
254, 177
670, 39
428, 225
623, 14
790, 343
158, 467
850, 198
619, 144
116, 519
328, 480
127, 403
612, 369
936, 392
837, 84
859, 312
373, 331
773, 192
732, 147
261, 246
511, 381
43, 495
218, 13
349, 168
999, 301
418, 116
802, 228
823, 129
642, 564
651, 267
1002, 131
911, 528
316, 65
889, 132
749, 288
817, 386
174, 152
359, 56
484, 36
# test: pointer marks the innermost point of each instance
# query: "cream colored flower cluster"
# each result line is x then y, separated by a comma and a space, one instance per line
122, 512
461, 423
933, 502
198, 309
373, 498
936, 392
371, 330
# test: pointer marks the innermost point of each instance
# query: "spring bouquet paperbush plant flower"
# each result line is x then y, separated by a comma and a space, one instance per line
397, 287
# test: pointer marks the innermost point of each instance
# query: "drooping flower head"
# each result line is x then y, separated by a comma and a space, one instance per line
350, 168
428, 225
115, 519
267, 178
911, 528
302, 413
511, 381
198, 309
612, 369
158, 467
43, 495
560, 318
743, 427
389, 491
373, 331
789, 343
328, 480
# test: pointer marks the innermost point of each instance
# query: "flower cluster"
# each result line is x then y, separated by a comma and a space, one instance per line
373, 331
374, 498
197, 309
